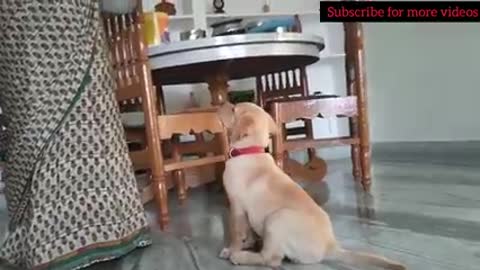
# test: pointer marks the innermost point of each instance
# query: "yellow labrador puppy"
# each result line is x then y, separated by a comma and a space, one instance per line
266, 200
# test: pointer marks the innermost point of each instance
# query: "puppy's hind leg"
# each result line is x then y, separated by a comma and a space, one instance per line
250, 239
271, 254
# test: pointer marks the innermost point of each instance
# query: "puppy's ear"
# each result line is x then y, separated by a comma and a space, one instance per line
272, 126
243, 127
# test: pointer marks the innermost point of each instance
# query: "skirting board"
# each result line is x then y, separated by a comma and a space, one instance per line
331, 153
466, 153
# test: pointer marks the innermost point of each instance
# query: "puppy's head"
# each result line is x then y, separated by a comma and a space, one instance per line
247, 124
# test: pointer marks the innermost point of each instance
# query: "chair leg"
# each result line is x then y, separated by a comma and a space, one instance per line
365, 163
279, 159
351, 70
356, 168
219, 169
312, 153
355, 151
356, 85
161, 198
222, 148
364, 135
179, 177
314, 163
278, 138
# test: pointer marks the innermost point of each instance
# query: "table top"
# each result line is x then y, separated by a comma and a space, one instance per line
241, 56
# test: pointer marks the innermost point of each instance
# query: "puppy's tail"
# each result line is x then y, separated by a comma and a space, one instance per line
363, 258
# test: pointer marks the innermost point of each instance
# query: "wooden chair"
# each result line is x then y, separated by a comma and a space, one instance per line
287, 92
282, 87
135, 92
171, 126
124, 35
308, 108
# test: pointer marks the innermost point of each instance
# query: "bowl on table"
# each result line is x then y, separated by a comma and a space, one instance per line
193, 34
228, 27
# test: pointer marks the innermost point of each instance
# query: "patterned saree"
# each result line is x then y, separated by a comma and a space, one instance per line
70, 189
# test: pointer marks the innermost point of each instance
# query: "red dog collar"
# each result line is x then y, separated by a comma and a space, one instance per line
235, 152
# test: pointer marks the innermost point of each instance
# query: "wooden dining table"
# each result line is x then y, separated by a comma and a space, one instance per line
216, 60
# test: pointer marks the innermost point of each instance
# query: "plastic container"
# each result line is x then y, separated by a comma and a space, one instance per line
156, 28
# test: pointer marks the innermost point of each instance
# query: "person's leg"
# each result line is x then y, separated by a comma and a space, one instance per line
3, 143
70, 186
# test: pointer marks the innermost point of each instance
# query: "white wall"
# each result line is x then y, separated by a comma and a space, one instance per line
424, 81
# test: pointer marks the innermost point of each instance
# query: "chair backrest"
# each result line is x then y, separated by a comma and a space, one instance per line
171, 126
285, 84
281, 85
125, 38
188, 123
286, 112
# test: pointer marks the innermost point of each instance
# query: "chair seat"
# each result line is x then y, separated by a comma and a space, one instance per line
172, 165
199, 110
137, 119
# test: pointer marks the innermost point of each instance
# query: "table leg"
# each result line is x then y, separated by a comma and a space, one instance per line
218, 86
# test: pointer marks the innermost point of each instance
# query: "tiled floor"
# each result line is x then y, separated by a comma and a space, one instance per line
424, 210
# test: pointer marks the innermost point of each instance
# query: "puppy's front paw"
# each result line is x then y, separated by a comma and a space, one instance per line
225, 253
237, 257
